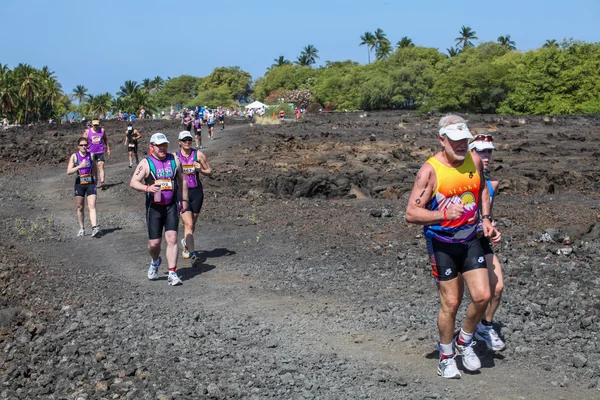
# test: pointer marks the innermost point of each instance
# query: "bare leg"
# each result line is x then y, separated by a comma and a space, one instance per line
188, 230
478, 282
171, 238
130, 157
137, 160
91, 200
80, 210
154, 248
496, 285
451, 293
101, 171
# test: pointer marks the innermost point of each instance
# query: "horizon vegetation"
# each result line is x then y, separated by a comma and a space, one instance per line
491, 77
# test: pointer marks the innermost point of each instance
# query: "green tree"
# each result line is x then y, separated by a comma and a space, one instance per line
368, 39
128, 89
177, 91
8, 93
384, 50
453, 51
280, 61
235, 81
157, 83
147, 84
28, 82
308, 56
405, 41
551, 43
287, 77
80, 93
507, 42
466, 35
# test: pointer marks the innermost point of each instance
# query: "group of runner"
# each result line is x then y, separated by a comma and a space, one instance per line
452, 198
194, 120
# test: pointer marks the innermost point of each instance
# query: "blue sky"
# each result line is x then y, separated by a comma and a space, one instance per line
102, 44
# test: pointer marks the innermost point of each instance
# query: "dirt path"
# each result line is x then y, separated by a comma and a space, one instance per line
232, 283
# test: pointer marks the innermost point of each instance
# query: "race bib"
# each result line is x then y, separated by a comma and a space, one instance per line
96, 139
85, 179
165, 184
188, 169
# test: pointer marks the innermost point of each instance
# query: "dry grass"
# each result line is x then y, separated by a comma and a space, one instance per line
266, 121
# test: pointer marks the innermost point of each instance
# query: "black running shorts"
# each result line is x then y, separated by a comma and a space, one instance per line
98, 157
133, 148
450, 259
84, 190
159, 217
196, 199
486, 245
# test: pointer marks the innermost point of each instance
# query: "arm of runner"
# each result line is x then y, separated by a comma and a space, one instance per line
182, 182
416, 213
71, 167
202, 165
125, 142
141, 172
485, 206
106, 142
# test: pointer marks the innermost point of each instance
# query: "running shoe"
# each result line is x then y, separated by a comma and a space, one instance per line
489, 335
174, 279
130, 165
81, 232
469, 358
96, 232
447, 368
185, 253
153, 270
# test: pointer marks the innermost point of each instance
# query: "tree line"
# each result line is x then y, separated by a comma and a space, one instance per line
491, 77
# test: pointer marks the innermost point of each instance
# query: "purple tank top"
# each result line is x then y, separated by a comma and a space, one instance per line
96, 141
84, 175
187, 165
162, 172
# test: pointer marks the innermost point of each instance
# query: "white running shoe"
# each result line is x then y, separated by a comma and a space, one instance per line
153, 270
96, 232
469, 358
174, 279
489, 335
447, 368
81, 232
185, 253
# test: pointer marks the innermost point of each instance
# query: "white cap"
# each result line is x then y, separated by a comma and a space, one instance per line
184, 134
482, 142
456, 132
159, 138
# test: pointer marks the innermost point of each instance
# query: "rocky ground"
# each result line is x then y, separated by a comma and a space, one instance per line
311, 284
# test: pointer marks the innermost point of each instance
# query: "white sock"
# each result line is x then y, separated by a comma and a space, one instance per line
447, 349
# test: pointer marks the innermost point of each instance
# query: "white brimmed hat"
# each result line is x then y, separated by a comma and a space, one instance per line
159, 138
482, 142
456, 132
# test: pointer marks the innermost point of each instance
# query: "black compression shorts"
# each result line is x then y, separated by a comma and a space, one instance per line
196, 199
450, 259
486, 245
84, 190
133, 148
159, 217
98, 157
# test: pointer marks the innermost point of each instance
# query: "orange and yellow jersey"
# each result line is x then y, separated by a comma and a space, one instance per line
455, 185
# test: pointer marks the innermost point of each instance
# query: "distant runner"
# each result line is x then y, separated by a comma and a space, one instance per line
193, 163
198, 130
221, 115
131, 141
187, 121
281, 114
210, 122
483, 145
98, 143
448, 197
162, 175
85, 185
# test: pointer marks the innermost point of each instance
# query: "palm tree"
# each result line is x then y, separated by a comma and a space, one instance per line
129, 88
384, 49
80, 93
550, 43
368, 39
157, 83
302, 60
280, 61
100, 105
147, 84
404, 42
453, 51
380, 37
506, 42
308, 55
8, 95
29, 85
466, 35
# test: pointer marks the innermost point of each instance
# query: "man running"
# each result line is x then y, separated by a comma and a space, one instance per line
193, 163
483, 146
162, 174
447, 196
281, 114
221, 115
85, 185
198, 130
98, 143
210, 122
131, 141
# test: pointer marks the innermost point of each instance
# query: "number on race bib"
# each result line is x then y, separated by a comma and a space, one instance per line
85, 179
188, 169
165, 184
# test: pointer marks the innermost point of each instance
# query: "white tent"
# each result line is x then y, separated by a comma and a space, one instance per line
256, 104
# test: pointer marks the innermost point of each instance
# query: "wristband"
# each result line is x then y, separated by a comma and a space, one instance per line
486, 217
146, 189
445, 217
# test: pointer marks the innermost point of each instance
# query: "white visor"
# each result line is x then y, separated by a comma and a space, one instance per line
456, 132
